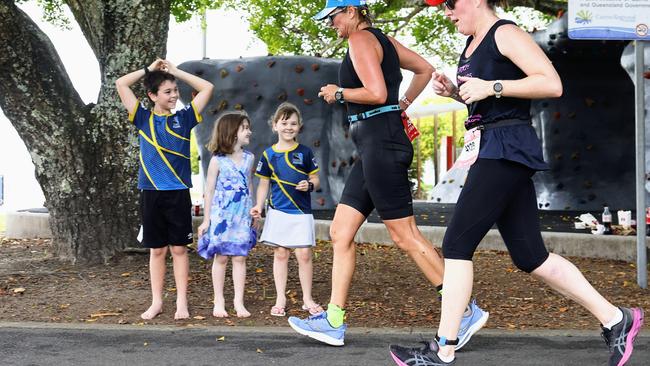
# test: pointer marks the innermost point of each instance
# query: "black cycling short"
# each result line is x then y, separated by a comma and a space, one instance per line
500, 192
379, 178
166, 218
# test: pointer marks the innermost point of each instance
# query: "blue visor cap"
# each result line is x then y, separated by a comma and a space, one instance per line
333, 4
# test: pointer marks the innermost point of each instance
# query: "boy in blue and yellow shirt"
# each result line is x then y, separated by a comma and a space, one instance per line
164, 177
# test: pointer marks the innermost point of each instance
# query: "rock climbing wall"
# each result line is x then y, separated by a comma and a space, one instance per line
587, 134
258, 85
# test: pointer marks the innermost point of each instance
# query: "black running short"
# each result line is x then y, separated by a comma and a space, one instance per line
166, 218
379, 178
500, 192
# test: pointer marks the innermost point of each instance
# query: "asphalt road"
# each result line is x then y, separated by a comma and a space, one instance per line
45, 344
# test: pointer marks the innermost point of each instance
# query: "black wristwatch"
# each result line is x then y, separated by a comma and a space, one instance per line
146, 70
338, 95
311, 187
498, 88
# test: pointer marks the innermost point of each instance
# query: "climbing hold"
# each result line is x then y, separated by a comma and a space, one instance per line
317, 143
222, 105
308, 101
299, 69
300, 91
282, 96
223, 73
270, 63
238, 107
334, 164
239, 68
321, 201
315, 67
589, 102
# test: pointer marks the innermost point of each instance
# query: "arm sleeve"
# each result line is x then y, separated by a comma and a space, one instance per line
140, 116
189, 116
312, 165
263, 169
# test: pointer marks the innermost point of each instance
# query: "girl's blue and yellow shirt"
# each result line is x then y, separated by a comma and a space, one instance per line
164, 147
285, 169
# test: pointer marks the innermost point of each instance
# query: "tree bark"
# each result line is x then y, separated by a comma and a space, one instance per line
85, 155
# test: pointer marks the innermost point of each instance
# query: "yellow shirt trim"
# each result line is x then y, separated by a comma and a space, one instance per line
162, 155
197, 115
146, 172
135, 110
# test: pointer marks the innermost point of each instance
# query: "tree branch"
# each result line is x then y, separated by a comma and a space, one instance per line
35, 91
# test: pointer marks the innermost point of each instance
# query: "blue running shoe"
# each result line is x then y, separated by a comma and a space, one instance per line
318, 328
470, 324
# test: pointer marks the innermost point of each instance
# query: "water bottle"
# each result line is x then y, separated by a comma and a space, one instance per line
607, 221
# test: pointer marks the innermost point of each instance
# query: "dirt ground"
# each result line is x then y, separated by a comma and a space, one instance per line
388, 290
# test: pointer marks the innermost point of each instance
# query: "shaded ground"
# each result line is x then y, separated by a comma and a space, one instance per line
388, 291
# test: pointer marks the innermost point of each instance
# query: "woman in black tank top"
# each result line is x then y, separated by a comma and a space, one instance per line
499, 71
369, 80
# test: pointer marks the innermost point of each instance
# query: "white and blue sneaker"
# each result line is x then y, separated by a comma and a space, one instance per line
318, 328
473, 320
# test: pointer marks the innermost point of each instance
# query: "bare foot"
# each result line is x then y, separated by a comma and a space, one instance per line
181, 312
181, 315
241, 311
152, 312
219, 312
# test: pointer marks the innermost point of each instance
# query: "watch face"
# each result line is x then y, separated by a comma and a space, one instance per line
338, 95
498, 87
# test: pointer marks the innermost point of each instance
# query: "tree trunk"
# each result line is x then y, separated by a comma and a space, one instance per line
85, 155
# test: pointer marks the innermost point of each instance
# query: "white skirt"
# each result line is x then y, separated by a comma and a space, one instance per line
287, 230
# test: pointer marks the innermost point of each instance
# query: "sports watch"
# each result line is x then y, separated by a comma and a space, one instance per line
498, 88
338, 95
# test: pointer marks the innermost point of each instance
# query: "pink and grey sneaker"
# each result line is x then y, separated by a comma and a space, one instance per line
620, 339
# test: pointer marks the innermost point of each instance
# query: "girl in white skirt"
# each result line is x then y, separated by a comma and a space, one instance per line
289, 169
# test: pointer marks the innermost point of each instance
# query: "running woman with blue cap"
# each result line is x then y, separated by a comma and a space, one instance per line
369, 78
500, 70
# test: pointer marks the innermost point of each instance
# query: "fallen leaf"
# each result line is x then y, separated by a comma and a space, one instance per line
221, 339
259, 270
125, 274
199, 317
259, 351
19, 290
146, 344
101, 315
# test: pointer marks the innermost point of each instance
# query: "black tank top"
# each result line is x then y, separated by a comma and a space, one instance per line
348, 77
488, 63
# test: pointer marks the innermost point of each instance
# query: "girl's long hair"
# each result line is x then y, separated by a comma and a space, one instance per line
224, 134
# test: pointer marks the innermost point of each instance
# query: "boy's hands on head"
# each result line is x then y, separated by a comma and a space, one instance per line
170, 67
156, 65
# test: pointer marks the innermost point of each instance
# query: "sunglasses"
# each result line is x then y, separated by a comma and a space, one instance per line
330, 18
450, 4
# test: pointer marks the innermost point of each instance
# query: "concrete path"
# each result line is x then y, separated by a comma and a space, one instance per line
60, 344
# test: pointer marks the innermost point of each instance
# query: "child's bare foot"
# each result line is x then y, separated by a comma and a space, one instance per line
152, 312
181, 311
219, 312
241, 311
181, 314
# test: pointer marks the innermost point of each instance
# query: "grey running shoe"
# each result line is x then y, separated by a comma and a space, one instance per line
425, 356
620, 339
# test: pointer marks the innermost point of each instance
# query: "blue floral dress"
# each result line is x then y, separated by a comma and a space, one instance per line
230, 231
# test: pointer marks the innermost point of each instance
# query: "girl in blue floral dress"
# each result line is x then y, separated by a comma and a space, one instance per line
226, 230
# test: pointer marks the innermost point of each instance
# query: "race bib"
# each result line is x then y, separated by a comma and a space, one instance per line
470, 150
410, 129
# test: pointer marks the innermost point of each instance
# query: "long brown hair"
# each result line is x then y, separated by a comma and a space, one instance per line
224, 134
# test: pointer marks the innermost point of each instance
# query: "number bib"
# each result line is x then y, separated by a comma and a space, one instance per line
410, 129
470, 150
